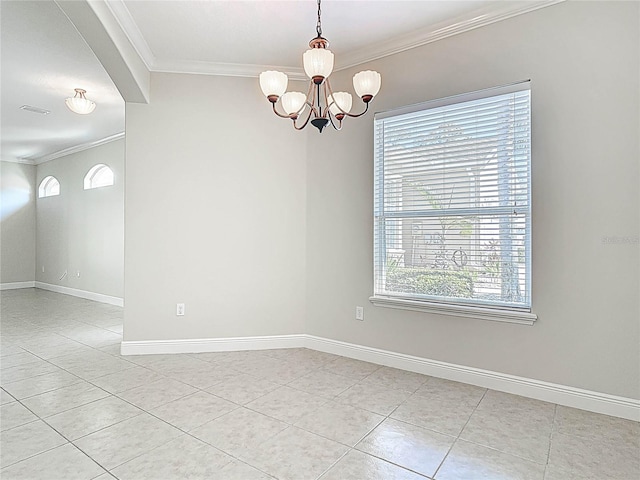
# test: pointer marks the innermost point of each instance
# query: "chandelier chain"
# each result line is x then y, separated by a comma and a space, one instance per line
319, 24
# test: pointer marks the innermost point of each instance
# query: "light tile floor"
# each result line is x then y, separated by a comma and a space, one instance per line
74, 408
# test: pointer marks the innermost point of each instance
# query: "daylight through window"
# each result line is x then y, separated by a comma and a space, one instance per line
453, 200
49, 186
99, 175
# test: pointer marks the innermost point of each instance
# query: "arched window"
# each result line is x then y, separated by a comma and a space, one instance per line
99, 175
49, 186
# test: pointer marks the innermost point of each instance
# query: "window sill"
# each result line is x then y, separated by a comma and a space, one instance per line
482, 313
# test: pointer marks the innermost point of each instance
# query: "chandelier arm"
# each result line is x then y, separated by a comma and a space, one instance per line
356, 115
312, 111
328, 87
347, 114
312, 103
278, 113
305, 122
320, 99
333, 124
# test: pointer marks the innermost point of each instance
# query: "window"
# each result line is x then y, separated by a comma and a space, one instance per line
99, 175
49, 186
452, 205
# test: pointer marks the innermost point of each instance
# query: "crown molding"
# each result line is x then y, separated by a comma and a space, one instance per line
128, 25
130, 28
25, 161
225, 69
75, 149
103, 33
411, 40
462, 24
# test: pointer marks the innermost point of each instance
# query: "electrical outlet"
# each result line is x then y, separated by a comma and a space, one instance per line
42, 268
360, 313
179, 309
78, 273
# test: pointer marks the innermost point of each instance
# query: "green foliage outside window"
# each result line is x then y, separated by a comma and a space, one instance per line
442, 283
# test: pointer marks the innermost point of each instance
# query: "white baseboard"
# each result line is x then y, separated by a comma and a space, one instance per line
16, 285
549, 392
96, 297
205, 345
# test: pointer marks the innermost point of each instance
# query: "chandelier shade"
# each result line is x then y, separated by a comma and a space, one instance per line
320, 106
273, 83
367, 83
292, 102
79, 103
318, 62
340, 103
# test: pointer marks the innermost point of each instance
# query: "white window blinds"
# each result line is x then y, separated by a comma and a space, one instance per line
452, 200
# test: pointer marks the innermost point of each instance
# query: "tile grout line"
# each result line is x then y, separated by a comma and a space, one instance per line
460, 433
170, 424
350, 448
389, 417
142, 410
43, 420
289, 425
551, 434
322, 367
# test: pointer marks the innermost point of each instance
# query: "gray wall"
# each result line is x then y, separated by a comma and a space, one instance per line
262, 230
83, 230
215, 213
583, 62
17, 222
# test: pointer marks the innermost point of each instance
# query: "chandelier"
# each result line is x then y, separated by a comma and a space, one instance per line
320, 105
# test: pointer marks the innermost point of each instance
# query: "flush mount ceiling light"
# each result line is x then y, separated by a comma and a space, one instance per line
320, 105
79, 103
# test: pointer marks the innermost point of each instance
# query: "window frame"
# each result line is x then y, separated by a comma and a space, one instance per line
45, 186
474, 308
91, 175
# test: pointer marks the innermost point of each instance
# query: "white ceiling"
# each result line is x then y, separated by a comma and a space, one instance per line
277, 32
243, 37
44, 57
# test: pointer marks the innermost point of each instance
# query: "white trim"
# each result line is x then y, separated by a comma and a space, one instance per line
527, 387
151, 347
520, 86
16, 285
549, 392
25, 161
224, 69
478, 18
128, 25
96, 297
471, 21
481, 313
77, 148
96, 23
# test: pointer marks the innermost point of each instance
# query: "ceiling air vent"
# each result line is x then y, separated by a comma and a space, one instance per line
29, 108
